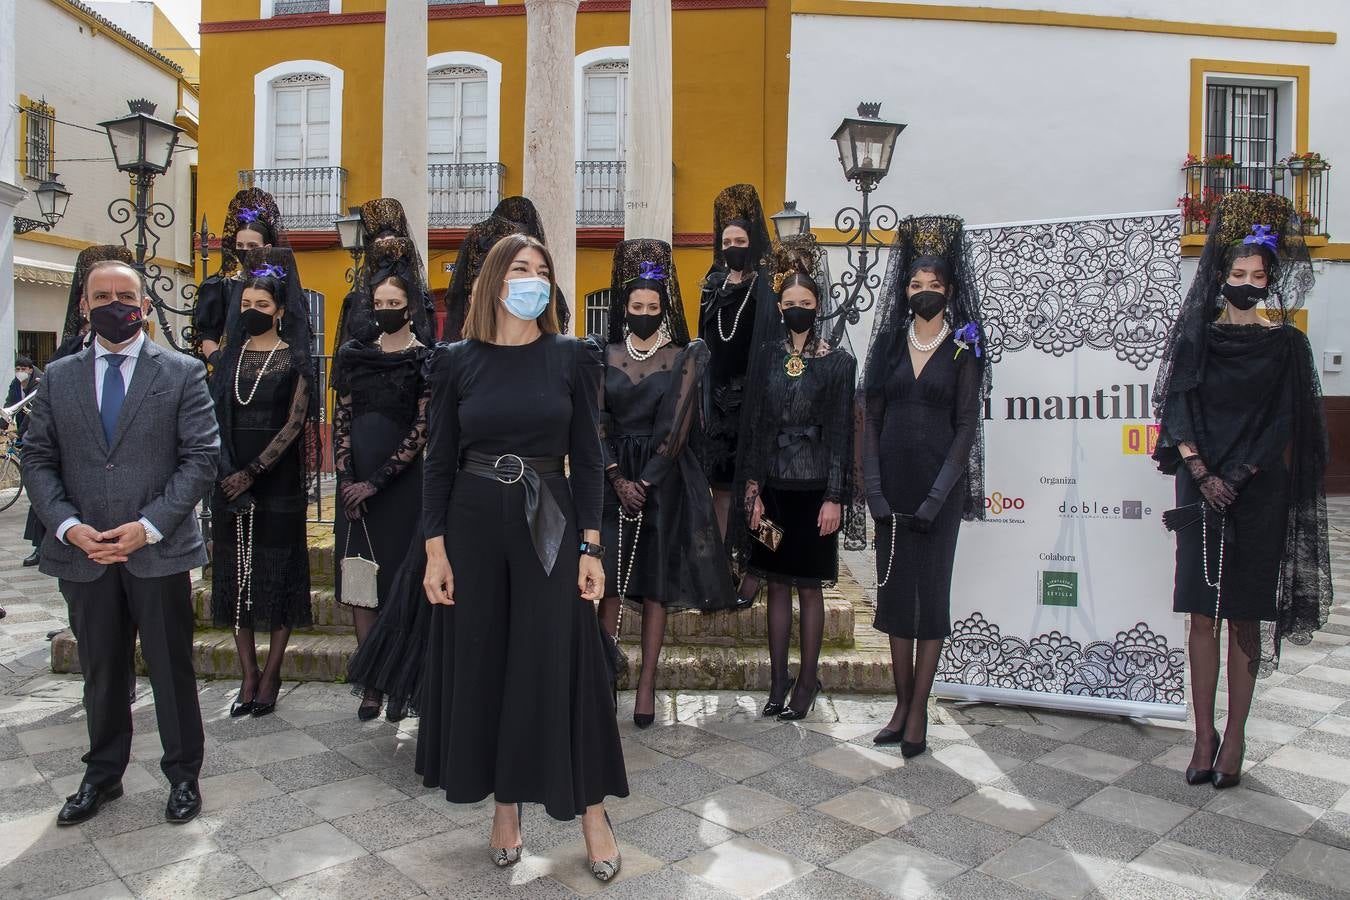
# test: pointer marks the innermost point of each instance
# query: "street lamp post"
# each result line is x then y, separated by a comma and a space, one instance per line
352, 236
143, 147
52, 198
865, 144
790, 221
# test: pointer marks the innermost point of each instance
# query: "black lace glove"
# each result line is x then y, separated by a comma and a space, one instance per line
234, 485
1216, 491
1237, 476
632, 494
354, 497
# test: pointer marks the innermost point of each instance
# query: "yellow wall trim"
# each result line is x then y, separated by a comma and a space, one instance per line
56, 240
1201, 67
990, 15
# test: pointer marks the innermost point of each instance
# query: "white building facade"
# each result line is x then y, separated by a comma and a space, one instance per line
72, 70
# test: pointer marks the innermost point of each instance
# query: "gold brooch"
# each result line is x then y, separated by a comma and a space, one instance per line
794, 365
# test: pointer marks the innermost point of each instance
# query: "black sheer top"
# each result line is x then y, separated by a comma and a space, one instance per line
383, 384
279, 404
722, 303
656, 398
538, 399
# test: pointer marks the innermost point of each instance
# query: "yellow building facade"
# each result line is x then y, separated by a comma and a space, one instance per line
272, 71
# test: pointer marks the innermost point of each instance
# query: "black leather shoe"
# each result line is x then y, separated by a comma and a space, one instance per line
888, 736
791, 715
185, 801
1224, 780
240, 708
83, 805
774, 707
1196, 776
32, 559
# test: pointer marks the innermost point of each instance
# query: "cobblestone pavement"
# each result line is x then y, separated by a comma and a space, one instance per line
1012, 803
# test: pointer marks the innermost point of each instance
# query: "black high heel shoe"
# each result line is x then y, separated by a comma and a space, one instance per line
791, 715
910, 749
241, 707
509, 856
774, 707
261, 709
1196, 776
370, 706
1223, 780
644, 720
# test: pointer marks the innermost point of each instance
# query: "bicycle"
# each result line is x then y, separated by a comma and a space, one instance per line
11, 467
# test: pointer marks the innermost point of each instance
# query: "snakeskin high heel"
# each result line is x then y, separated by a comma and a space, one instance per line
606, 869
509, 856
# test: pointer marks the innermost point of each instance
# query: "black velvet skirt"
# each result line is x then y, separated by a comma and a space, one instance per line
804, 558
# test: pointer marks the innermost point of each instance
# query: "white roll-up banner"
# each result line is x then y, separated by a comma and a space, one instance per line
1062, 596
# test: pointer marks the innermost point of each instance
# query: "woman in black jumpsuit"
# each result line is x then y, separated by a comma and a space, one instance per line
516, 700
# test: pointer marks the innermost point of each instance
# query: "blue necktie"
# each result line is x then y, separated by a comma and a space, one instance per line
114, 392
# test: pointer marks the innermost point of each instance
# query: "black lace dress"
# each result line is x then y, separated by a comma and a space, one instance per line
264, 432
727, 325
379, 430
648, 413
798, 455
913, 427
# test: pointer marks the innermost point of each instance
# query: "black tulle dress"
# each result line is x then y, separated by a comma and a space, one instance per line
264, 430
379, 430
516, 700
648, 415
727, 324
799, 454
913, 427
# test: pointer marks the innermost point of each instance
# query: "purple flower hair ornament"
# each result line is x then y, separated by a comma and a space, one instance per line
968, 338
250, 214
270, 270
650, 271
1261, 234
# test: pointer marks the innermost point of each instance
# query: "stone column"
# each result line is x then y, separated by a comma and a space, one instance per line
648, 197
403, 172
10, 192
550, 148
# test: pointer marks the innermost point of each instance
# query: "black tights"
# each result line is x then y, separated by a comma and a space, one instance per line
812, 618
364, 620
1244, 643
914, 674
653, 632
254, 680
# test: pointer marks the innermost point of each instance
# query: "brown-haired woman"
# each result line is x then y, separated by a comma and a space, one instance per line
516, 695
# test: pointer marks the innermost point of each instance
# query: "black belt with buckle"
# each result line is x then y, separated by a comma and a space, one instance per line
547, 523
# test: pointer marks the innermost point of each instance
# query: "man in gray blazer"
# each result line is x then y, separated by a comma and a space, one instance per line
122, 443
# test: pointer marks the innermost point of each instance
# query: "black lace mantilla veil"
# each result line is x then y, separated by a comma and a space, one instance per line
739, 204
827, 347
513, 215
630, 259
76, 325
217, 300
944, 237
1305, 589
298, 335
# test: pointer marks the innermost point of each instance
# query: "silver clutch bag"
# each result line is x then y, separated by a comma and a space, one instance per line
359, 584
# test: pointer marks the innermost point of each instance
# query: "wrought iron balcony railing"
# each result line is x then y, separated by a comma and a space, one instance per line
460, 194
1308, 189
296, 7
310, 198
600, 192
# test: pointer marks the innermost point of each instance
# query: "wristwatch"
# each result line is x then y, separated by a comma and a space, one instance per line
592, 549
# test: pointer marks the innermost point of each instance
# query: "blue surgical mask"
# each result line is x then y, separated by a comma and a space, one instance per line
527, 298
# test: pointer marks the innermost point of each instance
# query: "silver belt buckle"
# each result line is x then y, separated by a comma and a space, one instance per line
497, 465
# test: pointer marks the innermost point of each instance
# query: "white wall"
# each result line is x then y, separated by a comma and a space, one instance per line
1012, 122
9, 189
88, 78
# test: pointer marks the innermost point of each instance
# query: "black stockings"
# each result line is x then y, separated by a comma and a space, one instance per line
653, 633
914, 673
364, 619
1243, 649
812, 632
261, 685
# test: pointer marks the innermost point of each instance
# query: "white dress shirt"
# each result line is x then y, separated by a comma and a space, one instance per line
130, 353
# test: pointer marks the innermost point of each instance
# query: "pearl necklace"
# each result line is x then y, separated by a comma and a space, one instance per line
412, 339
931, 345
726, 338
643, 355
238, 395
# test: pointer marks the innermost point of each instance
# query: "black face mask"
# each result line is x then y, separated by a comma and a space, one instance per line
799, 319
643, 326
116, 322
256, 322
927, 304
391, 320
1244, 296
736, 257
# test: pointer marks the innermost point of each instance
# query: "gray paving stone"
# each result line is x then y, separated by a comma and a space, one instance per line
1293, 785
677, 782
155, 846
678, 740
824, 883
669, 881
261, 819
955, 837
53, 872
801, 783
55, 763
405, 779
1330, 743
1333, 829
351, 730
975, 885
299, 853
9, 744
26, 800
1014, 742
1127, 739
1289, 715
1037, 866
673, 834
789, 741
932, 786
900, 870
309, 771
1240, 840
812, 836
1051, 785
229, 730
1158, 782
215, 876
1085, 834
1129, 884
130, 813
220, 761
1282, 886
392, 826
366, 878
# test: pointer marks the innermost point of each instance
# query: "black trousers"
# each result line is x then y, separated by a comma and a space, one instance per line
105, 615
